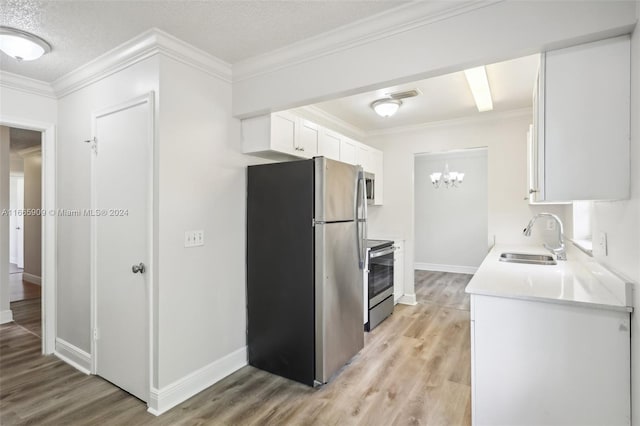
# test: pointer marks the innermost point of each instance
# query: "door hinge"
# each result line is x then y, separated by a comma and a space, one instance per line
95, 334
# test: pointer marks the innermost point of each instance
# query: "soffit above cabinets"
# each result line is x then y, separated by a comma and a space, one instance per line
444, 97
80, 31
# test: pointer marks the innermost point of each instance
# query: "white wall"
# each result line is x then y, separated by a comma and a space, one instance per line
32, 241
505, 136
73, 183
451, 223
620, 220
421, 49
202, 181
5, 312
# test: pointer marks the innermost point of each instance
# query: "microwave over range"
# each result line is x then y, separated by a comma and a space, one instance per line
370, 179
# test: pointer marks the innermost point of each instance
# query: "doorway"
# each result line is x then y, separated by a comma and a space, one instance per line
46, 275
25, 228
451, 214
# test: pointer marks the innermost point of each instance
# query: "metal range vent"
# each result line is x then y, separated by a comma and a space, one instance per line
404, 95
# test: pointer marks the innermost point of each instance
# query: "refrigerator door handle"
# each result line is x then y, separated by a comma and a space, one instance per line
358, 232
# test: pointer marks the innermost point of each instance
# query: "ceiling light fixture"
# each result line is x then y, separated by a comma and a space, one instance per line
21, 45
386, 107
479, 85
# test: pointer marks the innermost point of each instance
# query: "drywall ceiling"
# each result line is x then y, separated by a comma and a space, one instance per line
443, 98
80, 31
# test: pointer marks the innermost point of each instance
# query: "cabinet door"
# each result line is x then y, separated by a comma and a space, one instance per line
348, 151
363, 157
309, 138
284, 130
378, 171
587, 121
329, 145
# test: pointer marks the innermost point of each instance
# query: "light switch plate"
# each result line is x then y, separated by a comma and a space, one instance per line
194, 238
602, 243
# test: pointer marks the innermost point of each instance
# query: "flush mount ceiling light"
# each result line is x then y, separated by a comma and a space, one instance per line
386, 107
479, 85
21, 45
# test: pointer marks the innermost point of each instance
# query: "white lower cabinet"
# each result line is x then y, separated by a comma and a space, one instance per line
537, 363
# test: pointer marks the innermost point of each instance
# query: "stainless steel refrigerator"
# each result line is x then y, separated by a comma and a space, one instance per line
306, 248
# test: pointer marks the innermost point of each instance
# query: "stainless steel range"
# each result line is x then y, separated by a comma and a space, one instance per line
380, 266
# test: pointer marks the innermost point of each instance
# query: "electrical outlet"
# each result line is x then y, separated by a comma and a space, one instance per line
602, 243
551, 225
193, 238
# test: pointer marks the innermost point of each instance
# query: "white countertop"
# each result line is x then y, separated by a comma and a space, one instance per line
574, 281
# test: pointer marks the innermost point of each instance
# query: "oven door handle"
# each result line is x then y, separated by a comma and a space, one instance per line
384, 252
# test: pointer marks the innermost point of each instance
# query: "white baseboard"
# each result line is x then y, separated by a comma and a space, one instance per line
408, 299
6, 316
162, 400
73, 356
33, 279
445, 268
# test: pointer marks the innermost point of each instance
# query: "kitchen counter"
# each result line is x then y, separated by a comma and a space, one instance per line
576, 281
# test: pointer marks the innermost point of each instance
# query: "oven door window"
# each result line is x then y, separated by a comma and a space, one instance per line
380, 274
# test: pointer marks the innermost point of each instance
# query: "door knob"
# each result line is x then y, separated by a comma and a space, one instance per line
18, 228
138, 268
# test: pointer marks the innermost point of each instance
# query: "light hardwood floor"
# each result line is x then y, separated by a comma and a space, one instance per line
414, 369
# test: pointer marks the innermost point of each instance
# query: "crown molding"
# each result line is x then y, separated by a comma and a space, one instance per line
476, 118
146, 45
339, 123
26, 84
379, 26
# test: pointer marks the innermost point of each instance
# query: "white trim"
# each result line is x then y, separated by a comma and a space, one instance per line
33, 279
457, 269
376, 27
73, 355
162, 400
478, 117
29, 151
137, 49
26, 84
49, 227
408, 299
149, 99
6, 316
339, 123
13, 260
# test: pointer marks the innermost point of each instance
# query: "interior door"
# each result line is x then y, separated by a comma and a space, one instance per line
19, 223
122, 153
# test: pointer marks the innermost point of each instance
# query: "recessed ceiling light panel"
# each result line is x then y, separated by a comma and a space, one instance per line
21, 45
479, 85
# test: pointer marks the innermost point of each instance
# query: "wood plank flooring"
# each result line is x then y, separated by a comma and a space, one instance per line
414, 370
22, 290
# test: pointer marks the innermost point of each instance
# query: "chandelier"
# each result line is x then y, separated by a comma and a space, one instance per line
447, 179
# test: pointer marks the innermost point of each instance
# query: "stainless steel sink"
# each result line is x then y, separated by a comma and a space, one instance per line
531, 259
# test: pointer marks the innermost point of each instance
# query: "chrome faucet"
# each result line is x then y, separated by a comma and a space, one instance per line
560, 252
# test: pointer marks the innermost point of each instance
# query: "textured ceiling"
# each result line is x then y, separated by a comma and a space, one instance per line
231, 30
443, 98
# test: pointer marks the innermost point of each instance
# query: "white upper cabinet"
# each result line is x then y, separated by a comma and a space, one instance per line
273, 135
580, 141
329, 144
309, 138
348, 151
286, 136
364, 157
